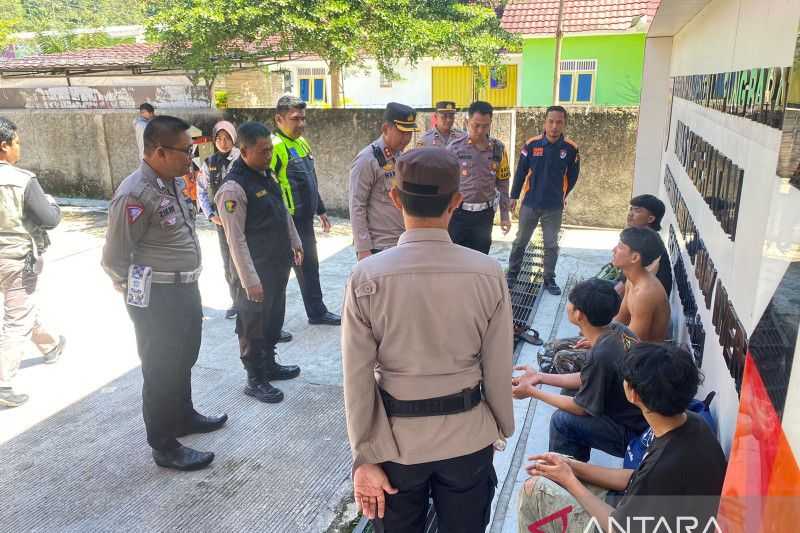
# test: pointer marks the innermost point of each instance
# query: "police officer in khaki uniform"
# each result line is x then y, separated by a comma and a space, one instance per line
153, 256
25, 213
441, 134
377, 223
484, 170
264, 243
423, 408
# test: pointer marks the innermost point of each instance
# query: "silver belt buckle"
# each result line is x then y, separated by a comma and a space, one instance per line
474, 207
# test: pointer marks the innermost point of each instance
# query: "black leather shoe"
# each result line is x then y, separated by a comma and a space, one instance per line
274, 371
285, 337
263, 391
8, 398
231, 313
202, 424
182, 458
53, 355
552, 287
328, 319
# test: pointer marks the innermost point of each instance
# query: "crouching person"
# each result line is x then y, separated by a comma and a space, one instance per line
678, 483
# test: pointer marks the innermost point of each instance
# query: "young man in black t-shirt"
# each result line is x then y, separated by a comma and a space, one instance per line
679, 480
599, 416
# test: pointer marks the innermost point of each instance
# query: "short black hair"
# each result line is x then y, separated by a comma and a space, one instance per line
557, 108
484, 108
147, 107
250, 132
664, 376
283, 109
597, 299
643, 241
8, 130
653, 205
424, 206
162, 131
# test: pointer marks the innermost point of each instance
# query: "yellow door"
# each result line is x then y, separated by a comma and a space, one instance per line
452, 83
500, 85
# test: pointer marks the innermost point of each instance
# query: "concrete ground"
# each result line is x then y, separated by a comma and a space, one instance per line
75, 458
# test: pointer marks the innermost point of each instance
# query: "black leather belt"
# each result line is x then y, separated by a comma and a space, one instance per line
442, 405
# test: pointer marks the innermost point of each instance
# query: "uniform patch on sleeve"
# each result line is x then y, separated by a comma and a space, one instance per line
230, 206
134, 211
367, 288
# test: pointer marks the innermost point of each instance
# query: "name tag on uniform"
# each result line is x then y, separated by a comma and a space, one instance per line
261, 193
538, 151
140, 279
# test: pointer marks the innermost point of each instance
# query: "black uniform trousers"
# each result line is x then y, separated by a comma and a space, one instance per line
462, 489
308, 273
258, 324
226, 260
168, 334
472, 229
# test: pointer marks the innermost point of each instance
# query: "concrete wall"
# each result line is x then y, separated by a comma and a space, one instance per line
607, 143
86, 153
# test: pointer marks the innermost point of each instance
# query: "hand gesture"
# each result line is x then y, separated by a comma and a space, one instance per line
369, 485
553, 466
326, 224
255, 293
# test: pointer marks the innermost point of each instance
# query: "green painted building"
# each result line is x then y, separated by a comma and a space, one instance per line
602, 50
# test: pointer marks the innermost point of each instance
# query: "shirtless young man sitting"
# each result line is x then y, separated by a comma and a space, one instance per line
645, 307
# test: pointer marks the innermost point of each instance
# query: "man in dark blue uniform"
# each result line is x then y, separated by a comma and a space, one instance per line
547, 171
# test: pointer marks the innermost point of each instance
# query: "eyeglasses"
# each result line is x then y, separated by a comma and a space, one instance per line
185, 151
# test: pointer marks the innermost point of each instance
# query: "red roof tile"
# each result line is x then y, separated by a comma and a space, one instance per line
540, 17
123, 56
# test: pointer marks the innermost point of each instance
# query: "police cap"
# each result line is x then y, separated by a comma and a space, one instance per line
427, 171
445, 107
402, 116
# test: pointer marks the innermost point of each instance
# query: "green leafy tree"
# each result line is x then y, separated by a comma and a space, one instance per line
12, 16
54, 21
210, 37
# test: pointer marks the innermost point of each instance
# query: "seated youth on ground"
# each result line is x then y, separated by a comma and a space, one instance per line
680, 477
599, 416
645, 307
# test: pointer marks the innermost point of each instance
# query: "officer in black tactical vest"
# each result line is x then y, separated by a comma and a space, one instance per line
263, 243
25, 213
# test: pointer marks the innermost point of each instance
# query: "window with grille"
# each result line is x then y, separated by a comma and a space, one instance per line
312, 84
576, 81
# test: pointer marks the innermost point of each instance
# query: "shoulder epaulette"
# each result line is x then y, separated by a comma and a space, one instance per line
571, 142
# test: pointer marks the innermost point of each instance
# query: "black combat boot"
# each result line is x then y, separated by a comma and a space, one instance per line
257, 387
272, 370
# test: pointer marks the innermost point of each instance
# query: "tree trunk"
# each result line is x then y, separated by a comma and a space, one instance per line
336, 85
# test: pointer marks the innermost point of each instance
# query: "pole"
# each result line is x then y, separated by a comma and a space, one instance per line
558, 51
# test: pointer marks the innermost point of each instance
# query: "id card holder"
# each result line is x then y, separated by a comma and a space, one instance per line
140, 279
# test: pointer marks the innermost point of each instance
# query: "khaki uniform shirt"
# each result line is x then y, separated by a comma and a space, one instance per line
482, 176
433, 137
426, 319
377, 223
150, 223
233, 224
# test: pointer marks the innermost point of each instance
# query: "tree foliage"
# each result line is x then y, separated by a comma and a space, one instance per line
209, 37
53, 21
